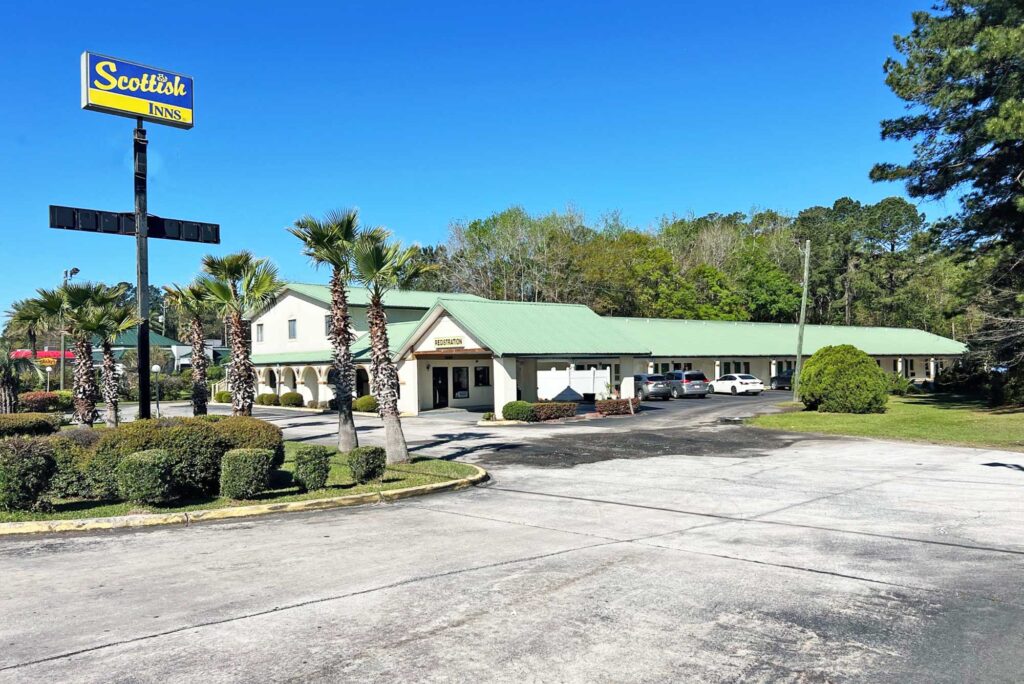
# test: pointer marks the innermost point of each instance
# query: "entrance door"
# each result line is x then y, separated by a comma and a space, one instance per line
440, 387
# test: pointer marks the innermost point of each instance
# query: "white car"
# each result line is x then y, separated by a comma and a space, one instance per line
736, 383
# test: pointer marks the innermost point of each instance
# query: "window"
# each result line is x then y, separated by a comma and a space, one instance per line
726, 367
327, 324
665, 368
910, 367
746, 367
677, 366
291, 329
687, 366
259, 332
616, 373
895, 366
482, 376
460, 382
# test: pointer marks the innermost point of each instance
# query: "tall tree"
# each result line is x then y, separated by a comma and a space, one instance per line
108, 321
192, 302
10, 376
240, 285
328, 242
383, 265
26, 319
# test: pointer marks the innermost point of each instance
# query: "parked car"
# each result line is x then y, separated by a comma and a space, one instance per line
783, 380
736, 383
687, 384
647, 386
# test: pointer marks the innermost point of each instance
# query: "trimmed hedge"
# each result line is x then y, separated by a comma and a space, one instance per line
244, 432
222, 397
268, 399
28, 424
367, 463
553, 410
146, 477
196, 448
39, 402
65, 400
366, 403
292, 399
518, 410
72, 450
312, 466
616, 407
843, 379
244, 473
26, 466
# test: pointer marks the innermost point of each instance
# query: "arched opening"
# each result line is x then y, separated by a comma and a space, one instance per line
287, 380
362, 382
310, 386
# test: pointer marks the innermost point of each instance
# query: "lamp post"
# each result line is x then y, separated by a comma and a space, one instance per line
69, 273
156, 369
49, 372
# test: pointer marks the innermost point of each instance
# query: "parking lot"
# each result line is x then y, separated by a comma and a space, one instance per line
690, 549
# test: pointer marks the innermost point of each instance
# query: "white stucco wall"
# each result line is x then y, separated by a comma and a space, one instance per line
444, 326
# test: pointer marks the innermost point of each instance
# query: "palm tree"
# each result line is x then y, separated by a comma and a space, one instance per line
27, 319
382, 265
239, 285
192, 302
329, 242
10, 369
108, 322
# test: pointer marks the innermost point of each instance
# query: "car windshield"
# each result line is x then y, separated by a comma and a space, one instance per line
655, 378
696, 376
746, 377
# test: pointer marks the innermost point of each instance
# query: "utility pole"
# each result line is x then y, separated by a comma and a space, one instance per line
142, 267
803, 319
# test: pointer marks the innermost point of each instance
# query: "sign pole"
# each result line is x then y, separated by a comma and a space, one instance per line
803, 319
142, 267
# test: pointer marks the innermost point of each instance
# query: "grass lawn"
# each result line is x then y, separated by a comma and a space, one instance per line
935, 418
418, 472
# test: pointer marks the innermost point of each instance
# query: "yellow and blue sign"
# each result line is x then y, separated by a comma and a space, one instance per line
116, 86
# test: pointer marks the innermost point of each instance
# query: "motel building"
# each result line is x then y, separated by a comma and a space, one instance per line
463, 351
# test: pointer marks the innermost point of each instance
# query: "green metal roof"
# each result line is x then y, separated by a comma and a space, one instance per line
319, 356
721, 339
129, 338
398, 333
532, 329
360, 296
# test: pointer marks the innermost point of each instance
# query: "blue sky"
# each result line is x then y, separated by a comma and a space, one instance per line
422, 113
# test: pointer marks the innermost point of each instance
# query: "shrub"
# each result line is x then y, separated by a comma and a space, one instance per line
28, 424
65, 400
26, 466
553, 410
843, 379
268, 399
292, 399
616, 407
367, 463
489, 415
244, 473
72, 450
38, 402
196, 448
244, 432
146, 476
222, 397
899, 385
518, 410
101, 474
366, 403
312, 466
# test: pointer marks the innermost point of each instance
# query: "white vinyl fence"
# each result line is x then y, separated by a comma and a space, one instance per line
572, 385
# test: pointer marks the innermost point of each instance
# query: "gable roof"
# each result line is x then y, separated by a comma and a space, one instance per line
360, 296
130, 338
682, 338
532, 329
398, 333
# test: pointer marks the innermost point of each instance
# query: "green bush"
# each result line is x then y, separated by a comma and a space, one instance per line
65, 400
28, 424
553, 410
146, 477
489, 415
196, 448
843, 379
101, 474
268, 399
222, 397
244, 432
312, 466
367, 463
26, 466
366, 403
899, 385
72, 450
244, 473
616, 407
518, 410
292, 399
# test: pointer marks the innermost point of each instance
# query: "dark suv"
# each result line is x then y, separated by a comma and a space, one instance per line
647, 386
687, 384
783, 380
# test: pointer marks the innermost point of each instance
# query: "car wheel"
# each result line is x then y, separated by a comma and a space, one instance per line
702, 396
775, 385
711, 389
675, 393
733, 390
639, 395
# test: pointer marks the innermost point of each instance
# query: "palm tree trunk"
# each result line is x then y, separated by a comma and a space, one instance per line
341, 362
8, 391
84, 380
385, 383
241, 375
110, 385
200, 393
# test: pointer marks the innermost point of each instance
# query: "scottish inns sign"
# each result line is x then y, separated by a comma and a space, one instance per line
116, 86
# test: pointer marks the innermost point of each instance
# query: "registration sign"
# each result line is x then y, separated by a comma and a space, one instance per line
117, 86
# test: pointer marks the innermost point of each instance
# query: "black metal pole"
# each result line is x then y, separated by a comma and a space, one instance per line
142, 267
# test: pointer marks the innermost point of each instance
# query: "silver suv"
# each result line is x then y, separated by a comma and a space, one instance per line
647, 386
692, 383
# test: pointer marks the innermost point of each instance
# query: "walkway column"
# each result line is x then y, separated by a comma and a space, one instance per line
899, 366
505, 382
772, 368
718, 369
931, 368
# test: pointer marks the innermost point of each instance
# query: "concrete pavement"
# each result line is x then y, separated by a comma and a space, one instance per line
692, 550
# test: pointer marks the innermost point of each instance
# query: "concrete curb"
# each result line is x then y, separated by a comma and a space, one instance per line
189, 517
299, 409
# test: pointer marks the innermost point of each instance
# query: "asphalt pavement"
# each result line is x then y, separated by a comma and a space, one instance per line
676, 546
